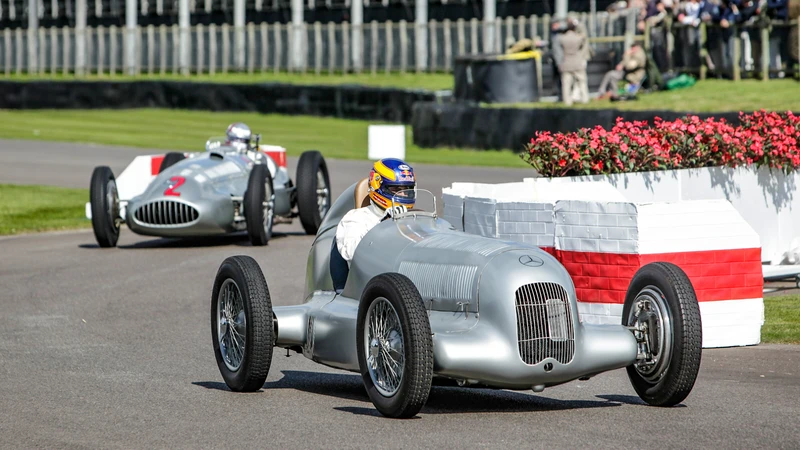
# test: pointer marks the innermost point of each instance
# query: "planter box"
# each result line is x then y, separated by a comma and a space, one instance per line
767, 200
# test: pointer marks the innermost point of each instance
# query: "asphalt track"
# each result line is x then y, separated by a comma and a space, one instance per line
112, 349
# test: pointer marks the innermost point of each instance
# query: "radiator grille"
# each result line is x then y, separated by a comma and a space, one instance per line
164, 213
544, 323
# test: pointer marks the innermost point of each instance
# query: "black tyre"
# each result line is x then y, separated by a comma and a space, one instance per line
259, 205
662, 306
313, 190
396, 359
170, 159
105, 207
241, 324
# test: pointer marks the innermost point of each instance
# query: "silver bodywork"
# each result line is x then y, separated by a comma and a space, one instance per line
210, 199
502, 314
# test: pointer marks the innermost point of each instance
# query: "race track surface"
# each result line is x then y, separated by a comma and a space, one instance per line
111, 348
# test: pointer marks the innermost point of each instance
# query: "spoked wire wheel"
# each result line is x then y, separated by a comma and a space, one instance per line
231, 325
384, 347
651, 316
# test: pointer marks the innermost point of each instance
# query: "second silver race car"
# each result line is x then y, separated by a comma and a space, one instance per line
222, 190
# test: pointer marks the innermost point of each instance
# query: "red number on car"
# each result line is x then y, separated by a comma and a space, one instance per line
176, 183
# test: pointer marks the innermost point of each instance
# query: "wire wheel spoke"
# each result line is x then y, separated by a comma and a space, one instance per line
384, 347
231, 324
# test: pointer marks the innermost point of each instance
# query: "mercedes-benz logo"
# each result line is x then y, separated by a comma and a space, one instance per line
530, 261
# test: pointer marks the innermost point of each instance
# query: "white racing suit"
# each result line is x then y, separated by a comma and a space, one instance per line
356, 224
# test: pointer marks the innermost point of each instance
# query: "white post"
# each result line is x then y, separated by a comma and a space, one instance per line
151, 42
296, 53
184, 37
200, 36
80, 36
421, 34
356, 38
130, 35
489, 16
264, 46
389, 45
238, 33
162, 43
6, 51
33, 36
561, 9
251, 47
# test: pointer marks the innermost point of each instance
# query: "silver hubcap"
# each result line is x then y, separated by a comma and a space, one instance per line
269, 206
650, 317
112, 200
383, 339
323, 194
231, 324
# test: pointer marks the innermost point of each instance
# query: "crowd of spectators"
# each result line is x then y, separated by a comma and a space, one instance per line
729, 20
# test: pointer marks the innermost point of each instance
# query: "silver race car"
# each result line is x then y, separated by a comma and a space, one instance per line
222, 190
421, 301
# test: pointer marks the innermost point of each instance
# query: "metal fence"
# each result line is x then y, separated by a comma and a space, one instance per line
372, 47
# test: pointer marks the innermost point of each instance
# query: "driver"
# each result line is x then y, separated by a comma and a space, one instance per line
387, 178
238, 136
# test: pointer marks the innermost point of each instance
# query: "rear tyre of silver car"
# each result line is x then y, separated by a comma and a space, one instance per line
170, 159
104, 198
313, 190
241, 324
259, 205
662, 306
395, 348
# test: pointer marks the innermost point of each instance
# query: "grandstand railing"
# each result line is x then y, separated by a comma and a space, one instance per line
319, 48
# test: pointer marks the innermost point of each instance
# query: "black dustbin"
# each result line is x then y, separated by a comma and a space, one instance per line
512, 78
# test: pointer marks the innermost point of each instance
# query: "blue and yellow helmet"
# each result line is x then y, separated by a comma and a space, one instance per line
388, 177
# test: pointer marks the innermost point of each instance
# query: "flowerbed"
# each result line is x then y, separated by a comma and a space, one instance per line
761, 139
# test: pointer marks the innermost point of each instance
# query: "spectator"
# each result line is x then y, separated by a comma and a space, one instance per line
573, 64
779, 35
631, 69
557, 56
657, 11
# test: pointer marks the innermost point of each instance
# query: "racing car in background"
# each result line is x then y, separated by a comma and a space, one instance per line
222, 190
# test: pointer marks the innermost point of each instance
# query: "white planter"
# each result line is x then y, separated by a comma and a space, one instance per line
766, 199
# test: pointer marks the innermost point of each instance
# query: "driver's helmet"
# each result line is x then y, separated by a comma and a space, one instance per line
238, 136
388, 177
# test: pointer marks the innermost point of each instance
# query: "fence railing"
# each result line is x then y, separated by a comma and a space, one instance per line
311, 47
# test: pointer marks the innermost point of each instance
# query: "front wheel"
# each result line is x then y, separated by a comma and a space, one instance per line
661, 308
104, 200
394, 344
241, 324
259, 205
313, 190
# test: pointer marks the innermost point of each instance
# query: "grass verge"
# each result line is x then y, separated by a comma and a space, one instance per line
781, 320
705, 96
188, 130
428, 81
41, 208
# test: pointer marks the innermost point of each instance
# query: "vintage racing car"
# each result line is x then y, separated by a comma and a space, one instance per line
421, 300
221, 190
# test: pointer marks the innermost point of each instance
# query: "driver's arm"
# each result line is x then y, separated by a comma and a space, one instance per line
352, 228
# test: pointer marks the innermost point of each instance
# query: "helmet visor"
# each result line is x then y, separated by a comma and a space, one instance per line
401, 192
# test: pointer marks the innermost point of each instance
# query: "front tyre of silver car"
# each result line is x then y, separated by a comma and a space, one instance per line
313, 190
104, 200
259, 205
395, 349
241, 324
662, 311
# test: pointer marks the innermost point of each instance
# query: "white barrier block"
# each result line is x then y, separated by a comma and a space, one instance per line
386, 141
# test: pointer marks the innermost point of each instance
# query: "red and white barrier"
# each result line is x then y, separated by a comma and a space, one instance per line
603, 243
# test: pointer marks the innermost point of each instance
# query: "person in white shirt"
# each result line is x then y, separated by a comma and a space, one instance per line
391, 183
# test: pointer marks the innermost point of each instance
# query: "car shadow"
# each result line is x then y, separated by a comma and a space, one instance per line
631, 400
234, 239
442, 399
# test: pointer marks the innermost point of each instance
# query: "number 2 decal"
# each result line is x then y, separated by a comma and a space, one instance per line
175, 183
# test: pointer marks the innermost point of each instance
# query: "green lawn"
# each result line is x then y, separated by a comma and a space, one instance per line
782, 319
428, 81
188, 130
41, 208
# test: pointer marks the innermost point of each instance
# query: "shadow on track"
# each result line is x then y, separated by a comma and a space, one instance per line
234, 239
442, 399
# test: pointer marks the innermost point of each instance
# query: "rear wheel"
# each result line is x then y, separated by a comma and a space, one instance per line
395, 349
661, 307
313, 190
170, 159
259, 205
105, 207
241, 324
